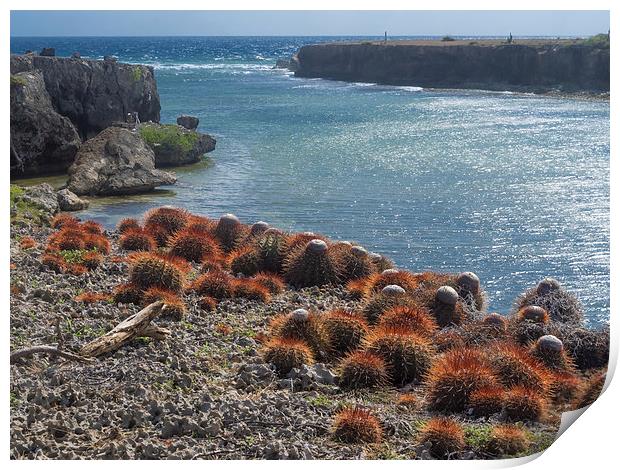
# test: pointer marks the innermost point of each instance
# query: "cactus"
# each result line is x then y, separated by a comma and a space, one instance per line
355, 425
127, 294
174, 306
534, 314
362, 370
271, 246
250, 290
148, 270
245, 260
171, 219
54, 262
565, 387
90, 226
592, 390
444, 436
136, 239
407, 355
561, 305
495, 321
343, 331
410, 317
550, 351
524, 404
207, 304
228, 230
286, 354
391, 296
487, 401
25, 243
449, 338
455, 376
127, 224
194, 246
380, 262
91, 297
407, 400
274, 283
589, 349
216, 284
311, 265
354, 260
64, 220
159, 233
300, 325
507, 439
446, 307
97, 242
92, 259
468, 287
298, 240
514, 366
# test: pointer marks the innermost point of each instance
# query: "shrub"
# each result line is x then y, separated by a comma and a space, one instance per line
357, 426
286, 354
407, 355
444, 435
362, 370
455, 376
311, 265
507, 440
169, 136
524, 404
343, 331
148, 270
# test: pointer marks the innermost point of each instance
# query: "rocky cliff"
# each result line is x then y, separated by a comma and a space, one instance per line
88, 95
537, 66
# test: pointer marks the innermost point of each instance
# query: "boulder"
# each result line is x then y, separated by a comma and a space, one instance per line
48, 52
116, 161
188, 122
42, 141
68, 201
43, 196
175, 145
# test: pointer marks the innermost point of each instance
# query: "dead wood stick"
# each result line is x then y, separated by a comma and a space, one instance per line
51, 350
124, 332
156, 332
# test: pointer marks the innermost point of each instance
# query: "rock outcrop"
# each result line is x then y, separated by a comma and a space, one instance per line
175, 145
58, 102
117, 161
94, 93
68, 201
189, 122
42, 141
538, 66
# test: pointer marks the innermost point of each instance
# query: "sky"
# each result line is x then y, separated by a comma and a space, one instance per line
308, 23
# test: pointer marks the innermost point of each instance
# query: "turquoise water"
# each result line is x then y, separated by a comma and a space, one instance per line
513, 187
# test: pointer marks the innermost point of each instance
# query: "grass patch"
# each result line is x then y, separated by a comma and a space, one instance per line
18, 81
169, 136
136, 73
600, 41
477, 436
23, 210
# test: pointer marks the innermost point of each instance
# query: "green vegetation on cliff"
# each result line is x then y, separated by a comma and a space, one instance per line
17, 81
600, 40
169, 135
22, 209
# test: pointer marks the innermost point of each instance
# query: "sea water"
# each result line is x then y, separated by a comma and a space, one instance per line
511, 186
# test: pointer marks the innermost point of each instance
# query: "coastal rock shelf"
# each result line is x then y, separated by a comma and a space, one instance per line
277, 345
525, 65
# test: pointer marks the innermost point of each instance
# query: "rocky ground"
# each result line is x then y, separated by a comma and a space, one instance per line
203, 393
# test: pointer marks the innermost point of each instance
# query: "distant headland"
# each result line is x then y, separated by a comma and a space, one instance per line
526, 65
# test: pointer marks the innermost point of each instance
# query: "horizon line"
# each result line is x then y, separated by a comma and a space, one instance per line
308, 36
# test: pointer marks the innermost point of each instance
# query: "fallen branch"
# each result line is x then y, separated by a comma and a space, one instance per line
51, 350
125, 331
156, 332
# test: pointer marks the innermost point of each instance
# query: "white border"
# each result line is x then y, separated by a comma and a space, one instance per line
591, 443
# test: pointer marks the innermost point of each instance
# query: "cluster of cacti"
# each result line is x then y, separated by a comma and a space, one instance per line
91, 297
75, 247
355, 425
427, 333
25, 243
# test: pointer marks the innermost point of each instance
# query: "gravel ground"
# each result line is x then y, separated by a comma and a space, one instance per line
204, 393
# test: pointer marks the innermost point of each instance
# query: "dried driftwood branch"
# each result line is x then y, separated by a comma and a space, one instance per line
51, 350
125, 331
156, 332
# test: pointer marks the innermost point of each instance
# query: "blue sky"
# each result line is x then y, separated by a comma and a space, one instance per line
307, 23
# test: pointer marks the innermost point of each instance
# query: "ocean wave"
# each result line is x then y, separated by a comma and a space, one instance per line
212, 66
